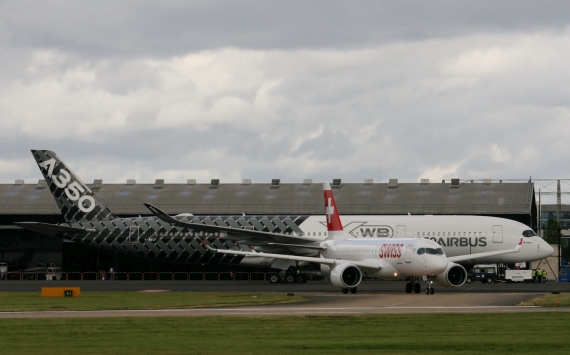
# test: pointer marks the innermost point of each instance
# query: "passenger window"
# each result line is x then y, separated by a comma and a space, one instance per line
418, 234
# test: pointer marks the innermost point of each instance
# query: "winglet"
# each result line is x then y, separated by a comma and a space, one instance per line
519, 245
159, 213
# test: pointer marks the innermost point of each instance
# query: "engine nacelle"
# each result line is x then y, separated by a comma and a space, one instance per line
346, 276
454, 276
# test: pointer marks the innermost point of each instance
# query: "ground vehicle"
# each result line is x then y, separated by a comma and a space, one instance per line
518, 275
3, 270
483, 273
53, 273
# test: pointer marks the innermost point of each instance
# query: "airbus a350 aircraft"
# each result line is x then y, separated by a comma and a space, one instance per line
345, 259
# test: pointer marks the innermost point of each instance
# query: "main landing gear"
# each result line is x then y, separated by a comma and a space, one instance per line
287, 277
413, 286
352, 290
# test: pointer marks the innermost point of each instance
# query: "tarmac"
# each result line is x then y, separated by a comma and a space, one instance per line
373, 297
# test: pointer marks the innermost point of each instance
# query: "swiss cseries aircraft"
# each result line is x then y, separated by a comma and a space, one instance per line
345, 259
89, 221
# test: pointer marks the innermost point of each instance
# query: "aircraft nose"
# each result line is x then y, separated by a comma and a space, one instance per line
546, 249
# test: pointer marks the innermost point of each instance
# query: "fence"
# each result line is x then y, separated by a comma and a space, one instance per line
143, 276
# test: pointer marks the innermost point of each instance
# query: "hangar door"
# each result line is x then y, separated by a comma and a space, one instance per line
497, 234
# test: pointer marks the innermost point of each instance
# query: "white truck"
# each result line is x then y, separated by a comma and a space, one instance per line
53, 273
3, 270
518, 275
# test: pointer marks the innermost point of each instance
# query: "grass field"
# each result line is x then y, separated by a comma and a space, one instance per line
518, 333
32, 301
550, 300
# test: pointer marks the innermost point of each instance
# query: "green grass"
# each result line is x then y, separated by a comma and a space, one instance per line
549, 300
32, 301
518, 333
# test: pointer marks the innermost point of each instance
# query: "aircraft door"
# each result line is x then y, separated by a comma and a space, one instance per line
134, 234
407, 254
497, 234
400, 231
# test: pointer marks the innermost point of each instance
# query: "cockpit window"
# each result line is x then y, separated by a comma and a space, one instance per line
421, 251
440, 251
529, 233
431, 251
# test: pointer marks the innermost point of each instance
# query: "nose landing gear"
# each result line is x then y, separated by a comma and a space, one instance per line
430, 290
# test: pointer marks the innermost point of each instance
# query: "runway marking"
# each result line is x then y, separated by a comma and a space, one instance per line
265, 309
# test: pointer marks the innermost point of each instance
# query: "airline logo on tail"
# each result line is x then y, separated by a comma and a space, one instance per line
333, 219
73, 190
76, 202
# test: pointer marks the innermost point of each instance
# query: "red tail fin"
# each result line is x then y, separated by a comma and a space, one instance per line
333, 219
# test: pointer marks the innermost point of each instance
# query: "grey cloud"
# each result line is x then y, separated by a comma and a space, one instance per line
166, 28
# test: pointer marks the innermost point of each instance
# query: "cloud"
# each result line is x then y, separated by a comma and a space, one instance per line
274, 98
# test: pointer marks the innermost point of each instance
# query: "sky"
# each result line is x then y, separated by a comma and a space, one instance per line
294, 90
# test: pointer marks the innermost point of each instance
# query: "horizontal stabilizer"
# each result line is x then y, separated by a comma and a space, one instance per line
52, 229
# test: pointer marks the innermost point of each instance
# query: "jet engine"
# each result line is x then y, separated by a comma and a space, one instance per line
454, 276
346, 276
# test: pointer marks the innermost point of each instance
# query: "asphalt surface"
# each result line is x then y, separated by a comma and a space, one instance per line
265, 286
373, 297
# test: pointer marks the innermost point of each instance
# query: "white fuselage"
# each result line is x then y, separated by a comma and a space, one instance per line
457, 235
398, 258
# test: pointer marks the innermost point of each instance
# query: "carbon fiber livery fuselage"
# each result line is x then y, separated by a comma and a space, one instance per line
147, 237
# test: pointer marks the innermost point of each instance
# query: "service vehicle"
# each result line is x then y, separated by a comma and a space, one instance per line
518, 275
53, 273
483, 273
3, 270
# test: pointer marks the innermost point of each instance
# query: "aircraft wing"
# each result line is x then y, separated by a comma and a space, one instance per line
473, 257
238, 233
364, 265
52, 229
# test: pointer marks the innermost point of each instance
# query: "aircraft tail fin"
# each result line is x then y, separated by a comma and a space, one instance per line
334, 226
75, 200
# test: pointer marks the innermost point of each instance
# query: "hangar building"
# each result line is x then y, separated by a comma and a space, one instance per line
33, 202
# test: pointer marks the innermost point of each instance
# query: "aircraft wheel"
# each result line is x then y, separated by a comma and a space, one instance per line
274, 279
409, 287
300, 279
345, 290
289, 278
431, 291
417, 288
353, 290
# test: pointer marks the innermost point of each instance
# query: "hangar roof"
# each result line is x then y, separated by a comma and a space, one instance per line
351, 198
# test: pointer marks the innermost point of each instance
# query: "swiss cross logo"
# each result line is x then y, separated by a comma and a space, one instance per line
329, 209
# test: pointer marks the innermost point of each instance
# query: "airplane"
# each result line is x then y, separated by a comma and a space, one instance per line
89, 221
345, 259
